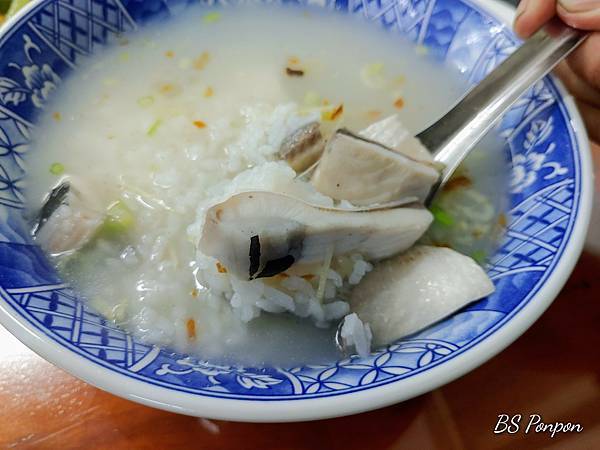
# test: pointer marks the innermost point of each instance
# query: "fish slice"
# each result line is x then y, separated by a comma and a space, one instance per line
453, 137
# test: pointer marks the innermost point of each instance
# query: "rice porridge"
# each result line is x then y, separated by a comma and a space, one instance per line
171, 120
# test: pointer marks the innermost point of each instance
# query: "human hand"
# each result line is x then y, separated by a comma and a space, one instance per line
581, 71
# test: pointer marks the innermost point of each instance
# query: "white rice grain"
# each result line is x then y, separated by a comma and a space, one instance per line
356, 334
361, 268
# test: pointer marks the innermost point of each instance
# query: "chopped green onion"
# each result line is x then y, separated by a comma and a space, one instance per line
372, 75
119, 219
441, 216
118, 312
184, 63
154, 127
421, 50
146, 101
211, 17
15, 6
57, 168
373, 69
479, 256
312, 99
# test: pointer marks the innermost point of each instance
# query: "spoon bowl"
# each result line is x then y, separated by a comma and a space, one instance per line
452, 137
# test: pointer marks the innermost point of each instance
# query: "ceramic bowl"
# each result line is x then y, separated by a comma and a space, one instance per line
550, 203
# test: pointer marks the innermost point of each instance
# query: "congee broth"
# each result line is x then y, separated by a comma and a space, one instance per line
168, 188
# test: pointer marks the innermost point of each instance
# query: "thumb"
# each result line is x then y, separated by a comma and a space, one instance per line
531, 15
583, 14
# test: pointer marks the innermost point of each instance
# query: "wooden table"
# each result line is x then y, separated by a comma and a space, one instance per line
553, 370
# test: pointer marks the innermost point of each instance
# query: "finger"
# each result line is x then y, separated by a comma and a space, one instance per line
596, 158
585, 61
591, 119
578, 87
532, 14
583, 14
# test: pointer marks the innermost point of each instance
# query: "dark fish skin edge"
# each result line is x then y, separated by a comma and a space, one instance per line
53, 201
254, 254
276, 266
298, 141
350, 134
272, 267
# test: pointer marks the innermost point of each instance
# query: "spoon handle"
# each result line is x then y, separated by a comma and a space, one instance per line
452, 137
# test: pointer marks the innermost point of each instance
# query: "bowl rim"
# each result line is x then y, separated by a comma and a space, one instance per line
347, 403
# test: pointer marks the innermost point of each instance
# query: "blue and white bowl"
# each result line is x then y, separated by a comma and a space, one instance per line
550, 205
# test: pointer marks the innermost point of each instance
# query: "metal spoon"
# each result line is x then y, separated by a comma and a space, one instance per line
452, 137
